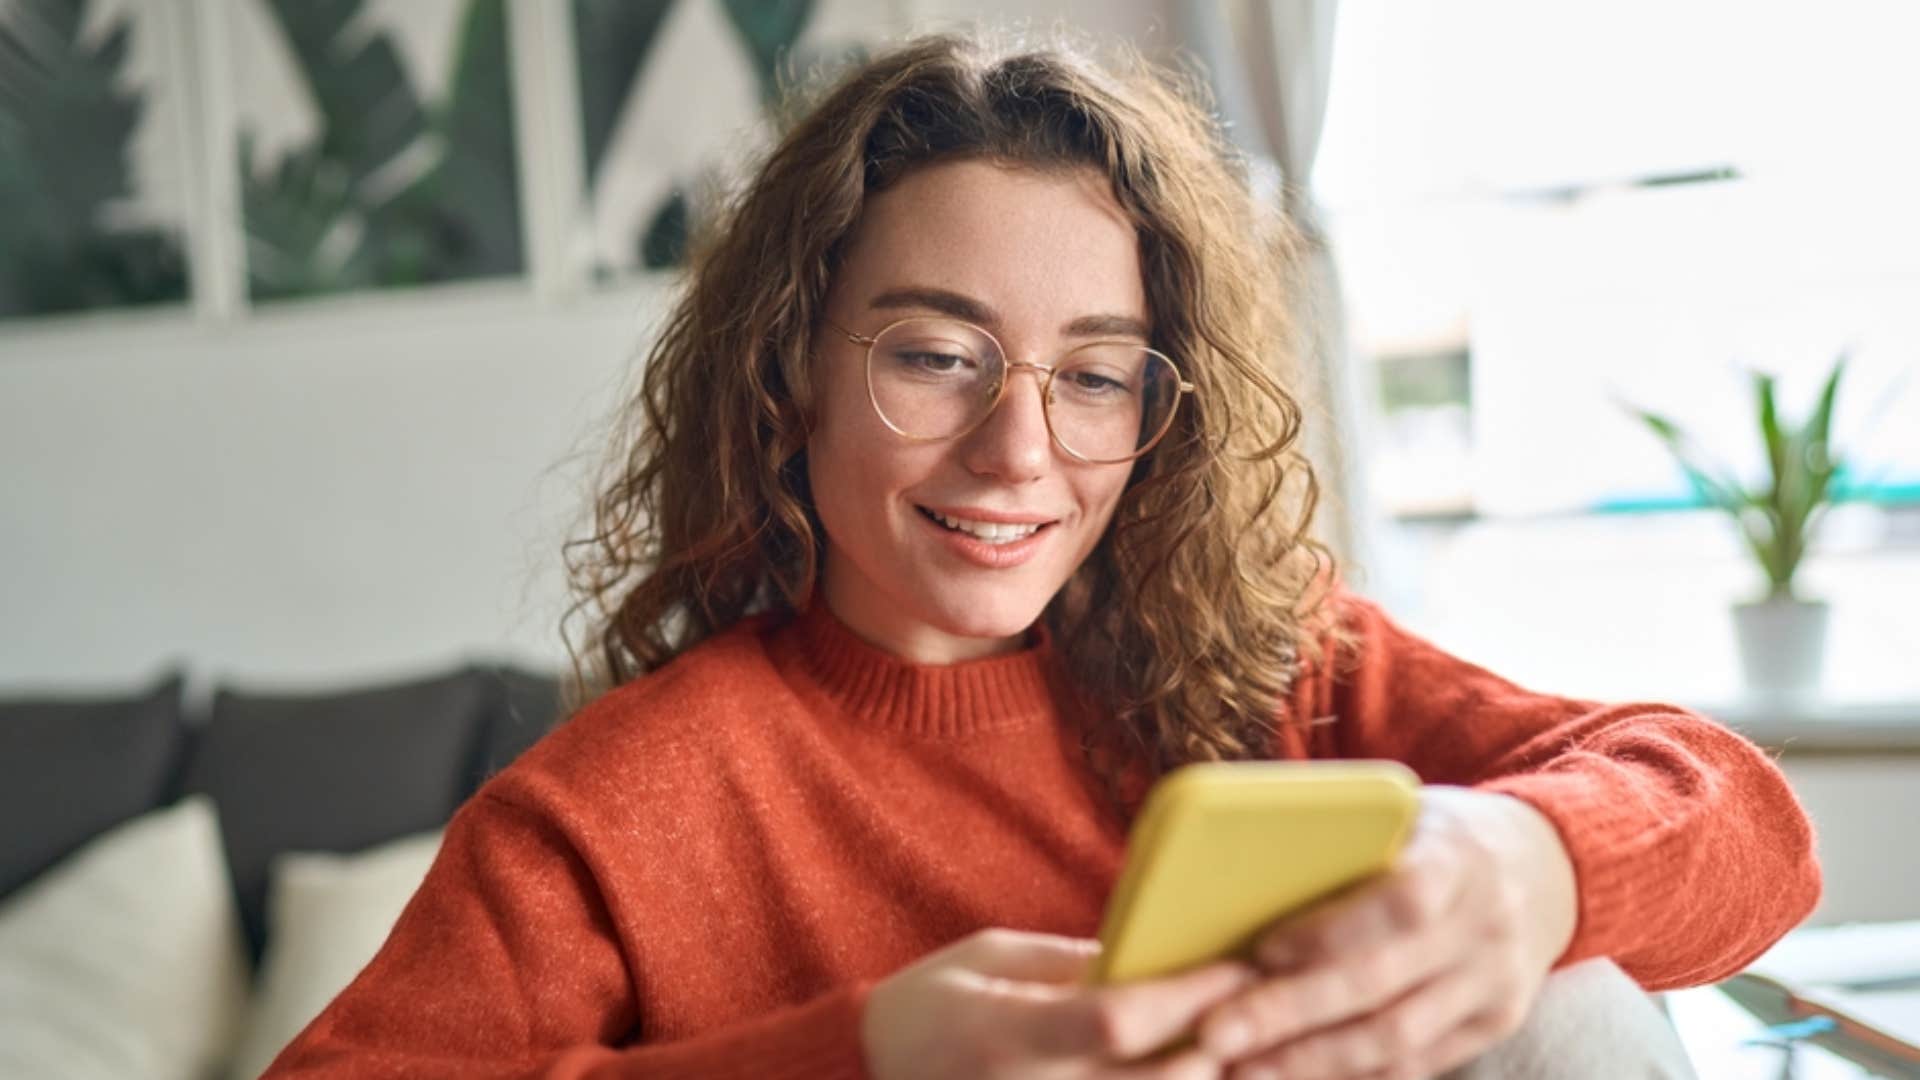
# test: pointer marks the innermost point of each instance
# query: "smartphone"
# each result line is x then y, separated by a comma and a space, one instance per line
1223, 849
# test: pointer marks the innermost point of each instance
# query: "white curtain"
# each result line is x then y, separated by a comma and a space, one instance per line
1270, 62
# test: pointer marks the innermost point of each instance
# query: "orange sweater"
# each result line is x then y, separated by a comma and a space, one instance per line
703, 871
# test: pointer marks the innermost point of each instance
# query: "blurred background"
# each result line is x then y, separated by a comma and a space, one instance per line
312, 314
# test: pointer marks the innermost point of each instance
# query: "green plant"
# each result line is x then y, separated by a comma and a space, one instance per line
1776, 520
615, 38
393, 190
67, 124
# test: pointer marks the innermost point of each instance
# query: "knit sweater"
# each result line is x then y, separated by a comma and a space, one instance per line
705, 870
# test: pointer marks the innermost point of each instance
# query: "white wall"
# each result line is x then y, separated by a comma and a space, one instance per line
1861, 810
330, 491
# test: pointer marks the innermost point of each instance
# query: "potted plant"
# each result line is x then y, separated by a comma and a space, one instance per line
1782, 635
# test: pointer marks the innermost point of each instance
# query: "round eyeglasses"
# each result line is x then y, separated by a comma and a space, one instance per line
1105, 402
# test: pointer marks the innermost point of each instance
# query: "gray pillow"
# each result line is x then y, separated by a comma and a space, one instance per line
72, 768
525, 706
339, 772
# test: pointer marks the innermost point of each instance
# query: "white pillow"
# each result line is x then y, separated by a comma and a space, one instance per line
326, 917
126, 958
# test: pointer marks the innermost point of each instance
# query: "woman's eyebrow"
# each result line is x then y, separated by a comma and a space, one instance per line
944, 301
960, 306
1106, 326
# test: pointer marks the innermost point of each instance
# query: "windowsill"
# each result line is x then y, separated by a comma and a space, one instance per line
507, 300
1813, 726
1625, 608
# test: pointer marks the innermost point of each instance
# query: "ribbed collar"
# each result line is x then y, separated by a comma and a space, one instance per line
874, 686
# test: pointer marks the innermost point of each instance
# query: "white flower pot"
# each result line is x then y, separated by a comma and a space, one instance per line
1782, 643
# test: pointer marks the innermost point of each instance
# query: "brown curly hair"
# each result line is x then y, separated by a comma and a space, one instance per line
1185, 628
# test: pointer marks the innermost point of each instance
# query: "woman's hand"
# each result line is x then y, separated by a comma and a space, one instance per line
1419, 970
1002, 1003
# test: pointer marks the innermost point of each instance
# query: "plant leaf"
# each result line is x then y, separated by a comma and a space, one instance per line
1762, 541
1776, 442
462, 218
390, 193
1821, 422
768, 28
1786, 478
614, 38
369, 112
1723, 492
1811, 467
67, 124
665, 241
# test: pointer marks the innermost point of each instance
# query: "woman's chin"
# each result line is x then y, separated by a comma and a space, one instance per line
1003, 625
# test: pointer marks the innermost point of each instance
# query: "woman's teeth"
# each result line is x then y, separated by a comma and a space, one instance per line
987, 531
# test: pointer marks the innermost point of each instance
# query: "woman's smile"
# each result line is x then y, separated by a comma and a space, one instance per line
978, 538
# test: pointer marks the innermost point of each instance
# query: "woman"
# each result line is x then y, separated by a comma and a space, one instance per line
960, 501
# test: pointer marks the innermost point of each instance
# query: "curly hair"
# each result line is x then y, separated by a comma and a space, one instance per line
1185, 628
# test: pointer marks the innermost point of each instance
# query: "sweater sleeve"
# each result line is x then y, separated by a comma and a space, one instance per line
1691, 854
505, 964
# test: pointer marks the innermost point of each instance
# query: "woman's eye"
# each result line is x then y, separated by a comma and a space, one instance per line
1095, 383
935, 361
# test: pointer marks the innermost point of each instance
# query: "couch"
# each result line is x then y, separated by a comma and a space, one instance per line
182, 889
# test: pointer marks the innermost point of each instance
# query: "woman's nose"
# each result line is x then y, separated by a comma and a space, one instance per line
1013, 443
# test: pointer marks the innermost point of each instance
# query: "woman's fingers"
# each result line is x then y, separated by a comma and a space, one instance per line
1353, 954
1186, 1065
1026, 957
1121, 1023
1423, 887
1336, 987
1056, 1016
1414, 1029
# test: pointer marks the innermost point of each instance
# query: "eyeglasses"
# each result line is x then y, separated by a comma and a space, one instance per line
1105, 402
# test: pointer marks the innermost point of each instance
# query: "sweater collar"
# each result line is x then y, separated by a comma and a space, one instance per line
871, 685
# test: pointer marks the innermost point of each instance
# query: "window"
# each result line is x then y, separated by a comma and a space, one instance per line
653, 166
1541, 211
375, 144
93, 186
235, 154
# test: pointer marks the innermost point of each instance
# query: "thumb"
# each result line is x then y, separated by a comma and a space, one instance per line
1021, 956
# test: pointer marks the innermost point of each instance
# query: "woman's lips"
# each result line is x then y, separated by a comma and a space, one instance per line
992, 556
989, 517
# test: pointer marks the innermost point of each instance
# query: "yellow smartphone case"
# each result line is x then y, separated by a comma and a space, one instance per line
1221, 850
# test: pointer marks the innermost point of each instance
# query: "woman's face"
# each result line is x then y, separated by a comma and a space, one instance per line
1044, 262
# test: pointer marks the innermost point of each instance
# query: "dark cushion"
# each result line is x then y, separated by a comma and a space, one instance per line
339, 772
525, 706
70, 769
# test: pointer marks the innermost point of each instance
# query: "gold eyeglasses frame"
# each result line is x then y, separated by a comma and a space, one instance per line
866, 341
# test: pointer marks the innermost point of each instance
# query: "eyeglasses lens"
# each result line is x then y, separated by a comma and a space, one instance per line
938, 378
